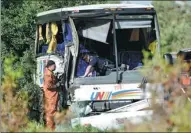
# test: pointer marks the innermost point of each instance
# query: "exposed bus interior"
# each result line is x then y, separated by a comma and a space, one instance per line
61, 38
96, 37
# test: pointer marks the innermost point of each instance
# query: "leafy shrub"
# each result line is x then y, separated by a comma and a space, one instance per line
14, 103
34, 126
174, 113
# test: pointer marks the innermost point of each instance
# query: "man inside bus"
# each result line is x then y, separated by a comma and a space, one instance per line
94, 63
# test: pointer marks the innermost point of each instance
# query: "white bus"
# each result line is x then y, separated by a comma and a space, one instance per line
115, 32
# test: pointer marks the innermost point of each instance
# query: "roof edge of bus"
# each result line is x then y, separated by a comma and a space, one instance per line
94, 6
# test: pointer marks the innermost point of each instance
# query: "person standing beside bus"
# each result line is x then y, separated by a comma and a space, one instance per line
50, 88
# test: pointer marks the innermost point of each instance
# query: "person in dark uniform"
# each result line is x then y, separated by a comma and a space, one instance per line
94, 63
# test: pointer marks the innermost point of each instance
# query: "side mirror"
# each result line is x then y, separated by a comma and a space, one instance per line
168, 58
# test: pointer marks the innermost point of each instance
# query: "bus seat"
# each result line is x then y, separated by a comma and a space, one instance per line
59, 48
131, 58
81, 68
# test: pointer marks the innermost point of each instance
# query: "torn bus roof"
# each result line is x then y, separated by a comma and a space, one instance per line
94, 7
57, 14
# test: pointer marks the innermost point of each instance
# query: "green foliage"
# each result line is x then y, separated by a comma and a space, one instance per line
14, 104
87, 128
11, 74
80, 128
181, 116
174, 114
175, 25
33, 126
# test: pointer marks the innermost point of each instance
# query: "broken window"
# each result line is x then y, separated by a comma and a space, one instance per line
132, 24
97, 36
61, 37
96, 30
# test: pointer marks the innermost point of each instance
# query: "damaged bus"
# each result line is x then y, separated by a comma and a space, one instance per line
115, 32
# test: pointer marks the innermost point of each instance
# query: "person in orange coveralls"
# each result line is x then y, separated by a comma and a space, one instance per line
185, 78
50, 88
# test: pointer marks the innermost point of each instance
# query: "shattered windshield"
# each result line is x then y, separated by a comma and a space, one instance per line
96, 43
96, 40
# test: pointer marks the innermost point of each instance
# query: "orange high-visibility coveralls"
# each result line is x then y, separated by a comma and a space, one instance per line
50, 97
185, 80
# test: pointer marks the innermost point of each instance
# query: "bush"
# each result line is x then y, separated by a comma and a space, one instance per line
14, 103
174, 113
